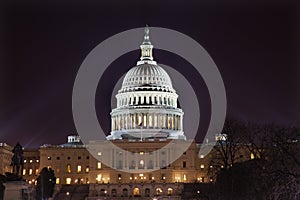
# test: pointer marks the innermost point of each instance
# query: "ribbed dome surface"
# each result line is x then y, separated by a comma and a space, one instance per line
146, 75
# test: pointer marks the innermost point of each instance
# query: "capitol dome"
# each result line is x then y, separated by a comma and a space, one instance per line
146, 103
146, 76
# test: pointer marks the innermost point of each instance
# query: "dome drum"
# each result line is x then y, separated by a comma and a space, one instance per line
147, 98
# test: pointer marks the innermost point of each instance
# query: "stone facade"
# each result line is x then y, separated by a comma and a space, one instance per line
5, 157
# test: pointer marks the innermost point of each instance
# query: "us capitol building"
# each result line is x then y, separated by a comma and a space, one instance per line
147, 118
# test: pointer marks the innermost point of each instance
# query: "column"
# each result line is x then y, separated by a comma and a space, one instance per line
125, 121
112, 124
117, 124
167, 121
131, 120
134, 120
175, 125
181, 123
173, 121
142, 99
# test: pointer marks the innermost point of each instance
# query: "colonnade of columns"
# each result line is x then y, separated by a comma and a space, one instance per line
146, 120
148, 99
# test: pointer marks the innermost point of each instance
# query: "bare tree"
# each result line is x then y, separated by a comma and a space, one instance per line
229, 143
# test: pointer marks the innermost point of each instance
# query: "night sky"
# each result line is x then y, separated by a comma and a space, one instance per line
256, 47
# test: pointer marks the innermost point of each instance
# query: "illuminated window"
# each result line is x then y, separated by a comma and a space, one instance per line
68, 180
69, 168
252, 156
24, 172
57, 181
25, 161
78, 168
99, 165
99, 177
184, 177
36, 171
37, 161
30, 161
158, 191
141, 153
136, 191
87, 169
142, 162
170, 191
202, 166
30, 172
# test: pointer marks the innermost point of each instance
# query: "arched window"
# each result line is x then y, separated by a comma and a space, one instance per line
113, 192
159, 191
141, 164
103, 192
170, 191
136, 192
147, 192
125, 192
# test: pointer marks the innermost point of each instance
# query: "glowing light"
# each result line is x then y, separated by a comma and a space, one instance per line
68, 180
99, 165
78, 168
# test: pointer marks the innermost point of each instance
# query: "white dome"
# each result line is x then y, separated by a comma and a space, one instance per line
146, 102
146, 76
